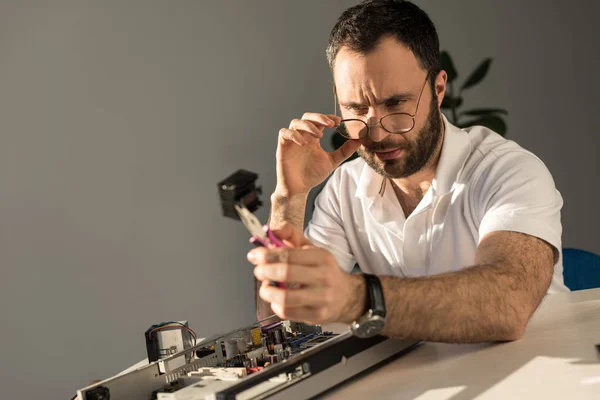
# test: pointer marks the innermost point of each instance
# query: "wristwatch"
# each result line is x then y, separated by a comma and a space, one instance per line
371, 323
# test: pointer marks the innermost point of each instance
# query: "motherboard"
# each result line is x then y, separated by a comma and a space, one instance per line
241, 354
270, 359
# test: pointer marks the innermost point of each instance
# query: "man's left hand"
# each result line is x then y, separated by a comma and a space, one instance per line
322, 291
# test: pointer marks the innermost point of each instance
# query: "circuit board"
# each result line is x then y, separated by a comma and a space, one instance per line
241, 354
271, 359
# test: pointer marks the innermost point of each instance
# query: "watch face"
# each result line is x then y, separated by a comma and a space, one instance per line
368, 328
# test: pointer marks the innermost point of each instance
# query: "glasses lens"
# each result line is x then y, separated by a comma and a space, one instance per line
352, 129
397, 123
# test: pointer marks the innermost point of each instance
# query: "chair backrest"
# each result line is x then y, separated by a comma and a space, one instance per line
581, 269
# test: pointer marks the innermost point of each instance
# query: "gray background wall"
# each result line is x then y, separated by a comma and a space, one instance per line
118, 118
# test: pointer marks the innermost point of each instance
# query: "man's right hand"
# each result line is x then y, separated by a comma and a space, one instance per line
301, 161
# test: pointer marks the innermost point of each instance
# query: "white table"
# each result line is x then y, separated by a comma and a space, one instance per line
555, 359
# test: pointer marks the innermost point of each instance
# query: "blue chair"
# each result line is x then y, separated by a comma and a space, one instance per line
581, 269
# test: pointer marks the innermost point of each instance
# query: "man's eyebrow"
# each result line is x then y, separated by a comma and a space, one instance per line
398, 97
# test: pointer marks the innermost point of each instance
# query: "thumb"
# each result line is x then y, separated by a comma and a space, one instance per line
290, 235
345, 151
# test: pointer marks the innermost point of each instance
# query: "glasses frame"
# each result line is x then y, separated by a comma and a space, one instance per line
412, 116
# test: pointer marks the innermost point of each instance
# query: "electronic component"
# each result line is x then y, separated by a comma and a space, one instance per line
279, 360
168, 338
239, 188
256, 337
205, 351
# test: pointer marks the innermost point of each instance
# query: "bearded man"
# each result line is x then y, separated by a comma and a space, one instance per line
457, 231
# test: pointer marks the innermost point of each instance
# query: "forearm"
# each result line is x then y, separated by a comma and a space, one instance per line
478, 304
288, 209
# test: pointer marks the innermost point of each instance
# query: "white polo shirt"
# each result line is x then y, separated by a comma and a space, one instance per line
483, 183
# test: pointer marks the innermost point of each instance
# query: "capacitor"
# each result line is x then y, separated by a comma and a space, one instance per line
253, 363
272, 359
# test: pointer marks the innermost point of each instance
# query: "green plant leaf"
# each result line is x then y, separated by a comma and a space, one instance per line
450, 102
484, 111
447, 65
493, 122
477, 75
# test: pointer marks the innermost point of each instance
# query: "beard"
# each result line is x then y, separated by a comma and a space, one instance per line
415, 155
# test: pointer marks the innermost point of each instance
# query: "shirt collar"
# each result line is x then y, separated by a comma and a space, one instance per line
455, 150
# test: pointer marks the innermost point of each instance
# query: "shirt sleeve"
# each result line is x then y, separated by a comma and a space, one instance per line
326, 229
518, 194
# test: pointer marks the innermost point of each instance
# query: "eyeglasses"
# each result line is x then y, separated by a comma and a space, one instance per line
399, 123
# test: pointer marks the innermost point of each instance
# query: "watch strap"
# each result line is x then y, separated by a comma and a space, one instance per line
375, 294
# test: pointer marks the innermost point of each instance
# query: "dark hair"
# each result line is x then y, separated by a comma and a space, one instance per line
361, 27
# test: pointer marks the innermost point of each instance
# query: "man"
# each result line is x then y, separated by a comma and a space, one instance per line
461, 227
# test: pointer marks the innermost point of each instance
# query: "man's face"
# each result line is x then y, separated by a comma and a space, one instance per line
389, 80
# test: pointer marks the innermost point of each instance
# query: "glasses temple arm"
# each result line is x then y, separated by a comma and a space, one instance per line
421, 94
334, 102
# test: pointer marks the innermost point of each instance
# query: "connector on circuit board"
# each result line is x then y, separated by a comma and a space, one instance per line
239, 188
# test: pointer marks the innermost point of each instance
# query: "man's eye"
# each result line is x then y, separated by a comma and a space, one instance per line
357, 109
394, 103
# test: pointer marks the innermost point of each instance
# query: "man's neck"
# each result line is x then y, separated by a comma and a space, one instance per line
417, 184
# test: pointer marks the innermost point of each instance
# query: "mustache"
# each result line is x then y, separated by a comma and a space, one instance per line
388, 144
380, 147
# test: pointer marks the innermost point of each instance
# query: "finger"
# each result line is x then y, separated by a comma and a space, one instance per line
344, 151
291, 236
309, 255
290, 285
286, 298
336, 119
321, 119
279, 272
294, 136
310, 315
306, 126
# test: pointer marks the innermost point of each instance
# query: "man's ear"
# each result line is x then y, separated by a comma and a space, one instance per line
440, 86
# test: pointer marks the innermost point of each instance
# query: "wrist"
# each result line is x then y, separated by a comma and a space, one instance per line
284, 195
287, 209
358, 305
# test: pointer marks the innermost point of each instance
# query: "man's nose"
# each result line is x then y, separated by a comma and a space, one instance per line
377, 133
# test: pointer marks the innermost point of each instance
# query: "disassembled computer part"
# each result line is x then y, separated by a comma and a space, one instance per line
239, 189
270, 359
168, 338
